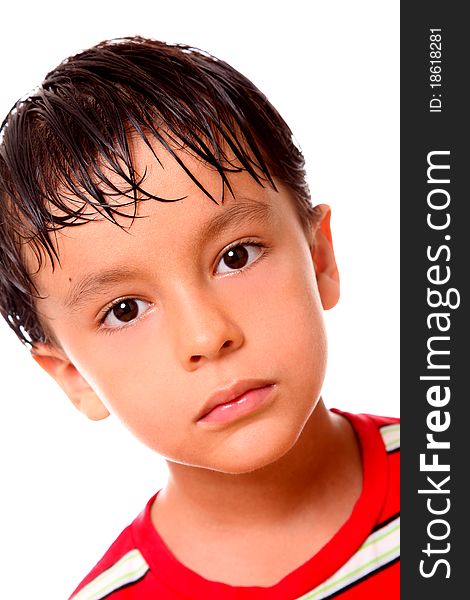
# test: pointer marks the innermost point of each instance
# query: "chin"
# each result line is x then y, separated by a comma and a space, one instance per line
254, 452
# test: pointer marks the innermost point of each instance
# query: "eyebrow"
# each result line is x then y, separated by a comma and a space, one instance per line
94, 283
245, 210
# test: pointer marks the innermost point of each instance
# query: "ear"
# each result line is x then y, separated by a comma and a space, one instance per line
324, 259
56, 363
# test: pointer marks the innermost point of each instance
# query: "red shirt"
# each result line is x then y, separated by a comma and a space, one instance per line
358, 563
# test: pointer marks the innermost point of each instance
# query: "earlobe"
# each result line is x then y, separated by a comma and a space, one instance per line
324, 260
90, 405
56, 363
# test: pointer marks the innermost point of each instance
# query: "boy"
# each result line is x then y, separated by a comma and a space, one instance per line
161, 257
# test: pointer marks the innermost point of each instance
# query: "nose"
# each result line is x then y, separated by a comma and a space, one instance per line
204, 328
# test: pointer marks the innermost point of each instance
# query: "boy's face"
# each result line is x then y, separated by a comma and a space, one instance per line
193, 317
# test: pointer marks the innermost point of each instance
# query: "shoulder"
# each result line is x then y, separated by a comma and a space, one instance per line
379, 440
366, 424
380, 437
384, 459
389, 428
374, 566
121, 565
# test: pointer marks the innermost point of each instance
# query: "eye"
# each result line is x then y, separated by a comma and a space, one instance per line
239, 256
124, 311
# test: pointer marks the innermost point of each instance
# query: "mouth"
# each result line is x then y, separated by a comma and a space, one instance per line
235, 401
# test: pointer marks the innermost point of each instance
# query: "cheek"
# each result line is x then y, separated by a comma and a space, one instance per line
284, 311
141, 385
128, 372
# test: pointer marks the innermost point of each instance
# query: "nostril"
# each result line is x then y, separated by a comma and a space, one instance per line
195, 358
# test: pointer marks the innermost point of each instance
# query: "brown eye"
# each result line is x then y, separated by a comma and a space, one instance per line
126, 311
238, 257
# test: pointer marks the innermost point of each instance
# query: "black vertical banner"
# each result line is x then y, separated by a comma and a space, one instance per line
435, 311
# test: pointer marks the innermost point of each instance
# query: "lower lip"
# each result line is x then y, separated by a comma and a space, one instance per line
243, 405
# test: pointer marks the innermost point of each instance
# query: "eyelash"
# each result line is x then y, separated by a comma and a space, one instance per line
244, 242
107, 309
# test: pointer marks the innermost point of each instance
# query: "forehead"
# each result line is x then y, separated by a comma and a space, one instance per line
186, 215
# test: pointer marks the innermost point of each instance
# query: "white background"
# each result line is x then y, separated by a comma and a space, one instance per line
69, 486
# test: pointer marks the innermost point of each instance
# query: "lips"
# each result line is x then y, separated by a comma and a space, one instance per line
234, 394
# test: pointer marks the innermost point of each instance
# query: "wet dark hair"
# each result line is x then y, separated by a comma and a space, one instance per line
58, 146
